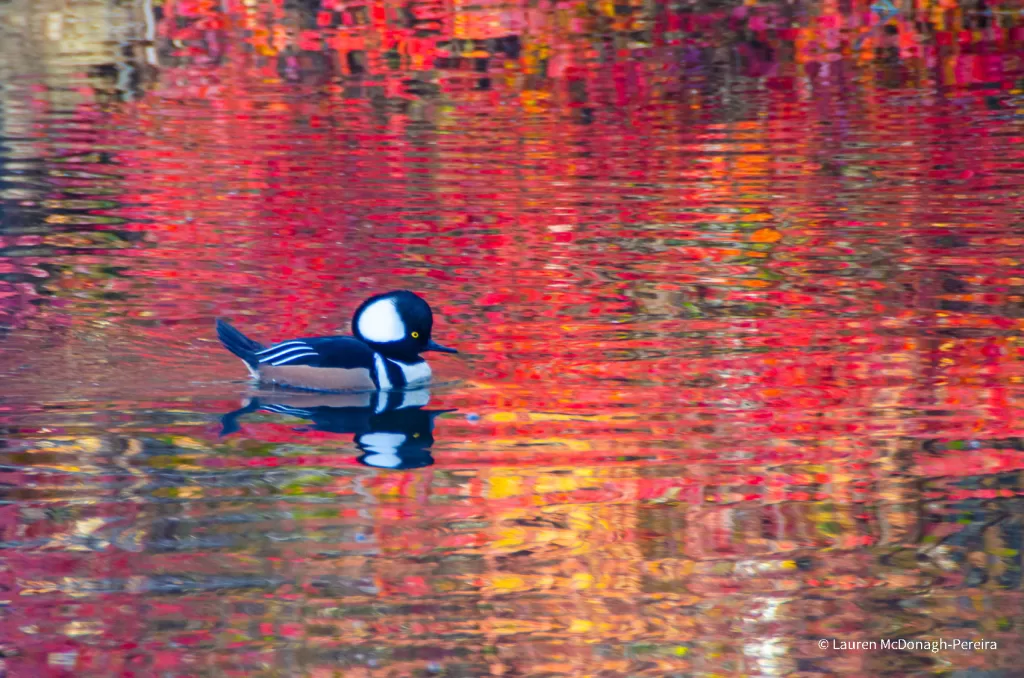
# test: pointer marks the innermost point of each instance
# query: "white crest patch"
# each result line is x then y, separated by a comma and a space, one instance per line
379, 322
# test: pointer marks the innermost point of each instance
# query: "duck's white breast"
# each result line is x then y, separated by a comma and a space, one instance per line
415, 373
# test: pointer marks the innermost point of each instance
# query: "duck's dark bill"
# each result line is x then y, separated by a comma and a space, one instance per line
434, 346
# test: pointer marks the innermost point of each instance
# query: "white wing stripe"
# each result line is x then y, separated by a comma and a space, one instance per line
277, 347
285, 409
284, 352
285, 347
296, 356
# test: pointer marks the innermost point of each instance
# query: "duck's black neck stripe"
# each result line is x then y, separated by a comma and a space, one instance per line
387, 401
387, 374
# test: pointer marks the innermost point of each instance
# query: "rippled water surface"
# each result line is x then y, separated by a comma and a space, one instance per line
738, 291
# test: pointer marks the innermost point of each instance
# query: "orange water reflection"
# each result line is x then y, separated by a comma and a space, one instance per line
739, 300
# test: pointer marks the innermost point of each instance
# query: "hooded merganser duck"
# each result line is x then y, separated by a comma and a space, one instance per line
390, 428
390, 332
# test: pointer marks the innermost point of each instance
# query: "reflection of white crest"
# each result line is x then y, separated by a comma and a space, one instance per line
382, 442
379, 322
382, 460
384, 449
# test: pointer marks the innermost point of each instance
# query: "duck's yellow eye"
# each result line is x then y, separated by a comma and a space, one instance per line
415, 335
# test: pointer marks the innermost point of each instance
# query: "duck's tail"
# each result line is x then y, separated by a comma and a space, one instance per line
239, 344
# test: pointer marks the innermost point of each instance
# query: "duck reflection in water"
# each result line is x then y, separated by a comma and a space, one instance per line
391, 428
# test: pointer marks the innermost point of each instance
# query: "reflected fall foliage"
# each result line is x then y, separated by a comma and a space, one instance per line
738, 292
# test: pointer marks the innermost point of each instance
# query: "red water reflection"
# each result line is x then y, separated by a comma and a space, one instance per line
739, 300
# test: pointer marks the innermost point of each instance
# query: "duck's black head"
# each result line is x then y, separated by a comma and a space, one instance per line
396, 325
